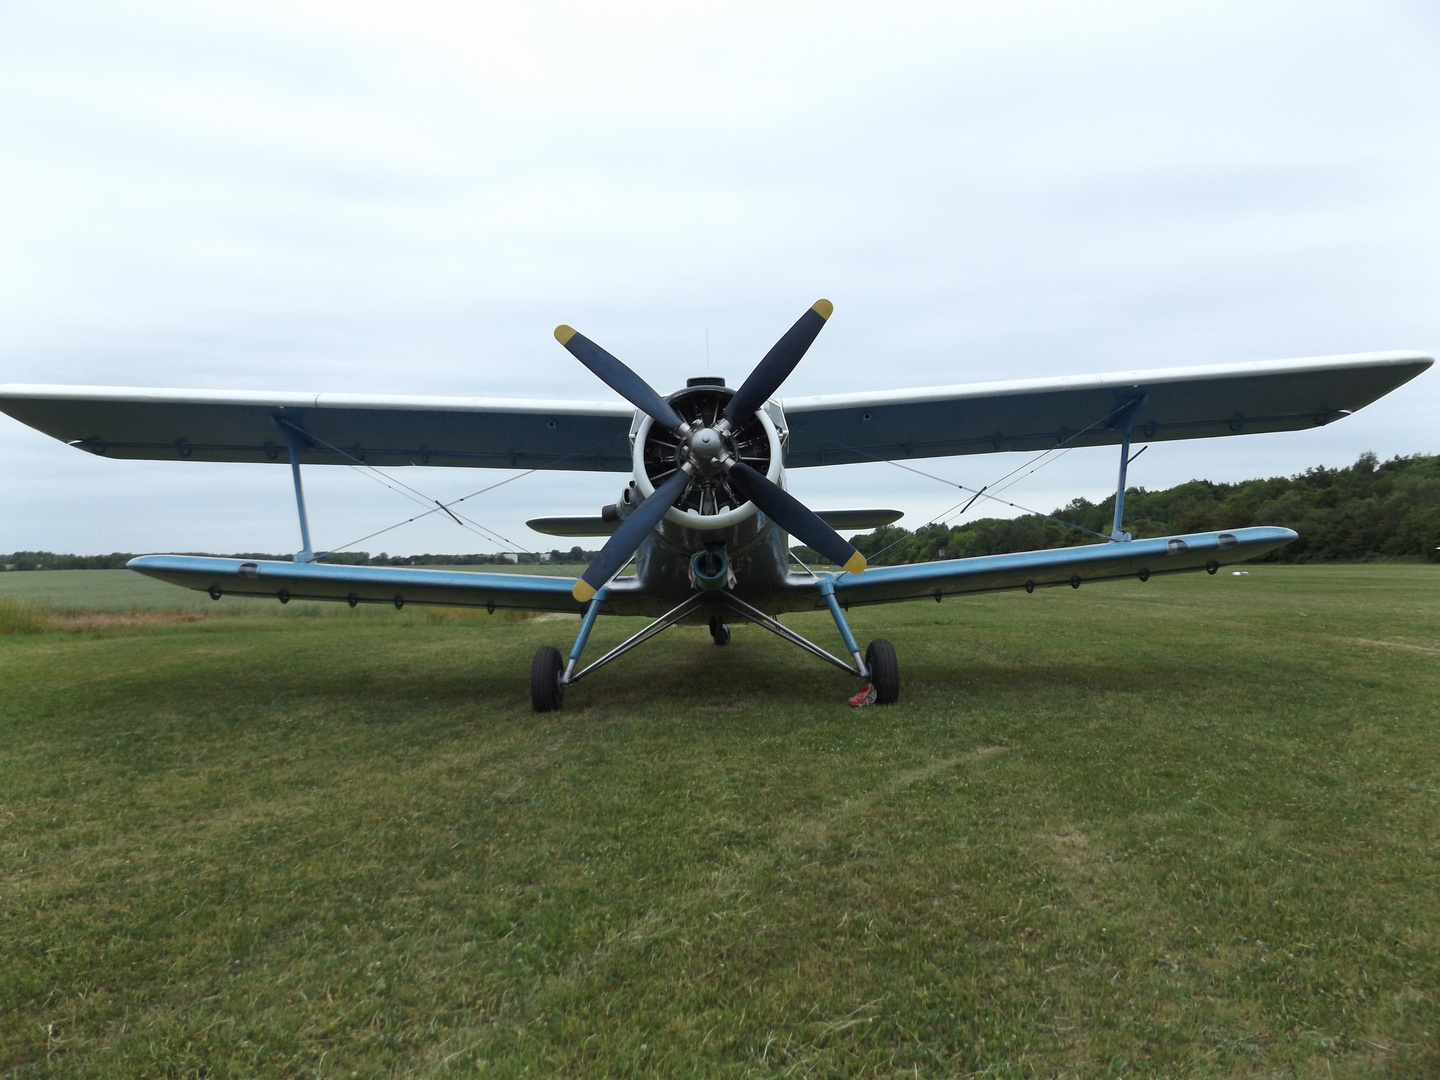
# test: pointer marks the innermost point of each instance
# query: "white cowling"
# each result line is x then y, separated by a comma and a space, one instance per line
708, 522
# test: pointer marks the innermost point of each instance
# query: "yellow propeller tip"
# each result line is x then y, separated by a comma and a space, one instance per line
823, 308
564, 333
855, 564
583, 591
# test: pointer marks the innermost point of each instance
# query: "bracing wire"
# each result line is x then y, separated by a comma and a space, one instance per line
989, 492
416, 496
433, 505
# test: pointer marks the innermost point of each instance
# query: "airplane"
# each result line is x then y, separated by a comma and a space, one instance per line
705, 518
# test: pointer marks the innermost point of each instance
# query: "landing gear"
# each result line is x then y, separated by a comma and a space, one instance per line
884, 670
550, 675
545, 689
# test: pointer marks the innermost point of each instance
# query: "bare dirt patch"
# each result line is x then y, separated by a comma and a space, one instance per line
18, 617
120, 620
1081, 862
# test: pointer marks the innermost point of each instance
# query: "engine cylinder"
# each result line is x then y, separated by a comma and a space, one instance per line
709, 502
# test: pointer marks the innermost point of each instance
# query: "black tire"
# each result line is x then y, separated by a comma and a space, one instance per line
884, 671
719, 632
545, 692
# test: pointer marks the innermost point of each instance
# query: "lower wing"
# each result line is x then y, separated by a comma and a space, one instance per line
398, 585
1037, 569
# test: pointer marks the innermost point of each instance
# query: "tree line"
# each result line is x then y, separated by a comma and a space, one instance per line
1369, 510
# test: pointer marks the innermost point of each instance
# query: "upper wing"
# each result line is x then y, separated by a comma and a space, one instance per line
1031, 569
1034, 414
1179, 403
200, 425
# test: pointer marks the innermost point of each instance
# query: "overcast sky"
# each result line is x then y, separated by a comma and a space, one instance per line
408, 198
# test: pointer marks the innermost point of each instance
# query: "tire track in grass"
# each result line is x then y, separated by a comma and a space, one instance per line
733, 883
1402, 645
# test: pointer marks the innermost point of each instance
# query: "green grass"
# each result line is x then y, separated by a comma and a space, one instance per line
1182, 828
98, 590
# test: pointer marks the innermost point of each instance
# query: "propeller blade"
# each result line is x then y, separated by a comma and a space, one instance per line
618, 377
777, 365
794, 517
629, 536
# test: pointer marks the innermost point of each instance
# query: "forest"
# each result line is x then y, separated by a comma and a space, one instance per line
1369, 510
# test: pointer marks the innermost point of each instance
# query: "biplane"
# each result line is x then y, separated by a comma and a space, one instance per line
700, 533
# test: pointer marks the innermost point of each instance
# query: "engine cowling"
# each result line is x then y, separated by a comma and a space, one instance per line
710, 502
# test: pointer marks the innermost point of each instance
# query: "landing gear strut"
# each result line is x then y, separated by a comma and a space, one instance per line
549, 675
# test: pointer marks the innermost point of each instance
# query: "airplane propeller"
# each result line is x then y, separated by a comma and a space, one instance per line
614, 374
707, 453
778, 363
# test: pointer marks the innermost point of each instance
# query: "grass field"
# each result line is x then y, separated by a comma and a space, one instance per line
1187, 828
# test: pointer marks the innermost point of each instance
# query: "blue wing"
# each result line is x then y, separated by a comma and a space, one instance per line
1038, 569
398, 585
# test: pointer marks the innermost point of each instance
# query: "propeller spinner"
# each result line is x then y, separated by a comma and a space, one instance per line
706, 451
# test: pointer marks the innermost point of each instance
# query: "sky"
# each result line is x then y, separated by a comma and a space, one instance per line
384, 198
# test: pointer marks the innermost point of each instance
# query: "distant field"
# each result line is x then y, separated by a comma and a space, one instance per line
98, 590
1189, 827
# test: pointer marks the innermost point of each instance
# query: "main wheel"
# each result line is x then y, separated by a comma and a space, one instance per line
884, 671
720, 632
545, 691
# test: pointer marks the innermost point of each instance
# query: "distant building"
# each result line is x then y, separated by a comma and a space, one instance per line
511, 557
